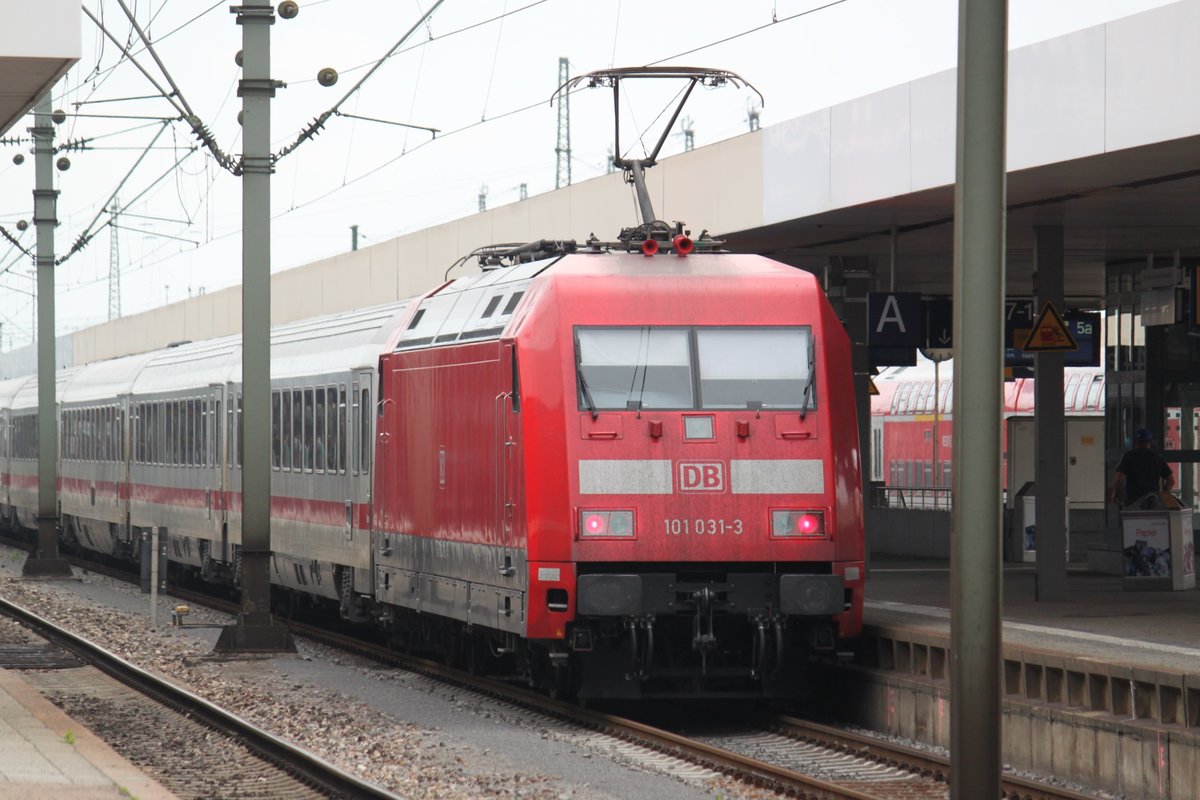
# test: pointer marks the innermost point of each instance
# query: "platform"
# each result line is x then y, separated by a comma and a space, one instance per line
45, 755
1100, 620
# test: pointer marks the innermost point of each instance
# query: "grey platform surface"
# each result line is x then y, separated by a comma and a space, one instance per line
40, 761
1100, 619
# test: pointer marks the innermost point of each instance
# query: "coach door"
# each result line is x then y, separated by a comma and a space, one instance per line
361, 439
211, 432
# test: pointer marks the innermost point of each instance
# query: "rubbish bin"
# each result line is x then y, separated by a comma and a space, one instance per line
1025, 523
1157, 543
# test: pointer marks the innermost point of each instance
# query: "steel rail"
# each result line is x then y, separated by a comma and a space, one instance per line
931, 765
296, 761
921, 763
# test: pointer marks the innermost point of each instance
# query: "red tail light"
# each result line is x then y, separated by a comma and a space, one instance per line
683, 245
595, 524
649, 247
805, 524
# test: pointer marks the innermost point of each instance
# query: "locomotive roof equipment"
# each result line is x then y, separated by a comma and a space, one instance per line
653, 234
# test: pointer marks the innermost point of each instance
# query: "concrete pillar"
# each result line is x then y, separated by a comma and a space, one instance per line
1050, 470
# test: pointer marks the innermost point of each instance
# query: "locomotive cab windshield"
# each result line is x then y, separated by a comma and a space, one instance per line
685, 368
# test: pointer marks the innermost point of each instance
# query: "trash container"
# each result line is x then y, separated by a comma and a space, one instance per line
1159, 552
1025, 523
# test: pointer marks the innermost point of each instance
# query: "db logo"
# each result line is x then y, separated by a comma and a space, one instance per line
701, 476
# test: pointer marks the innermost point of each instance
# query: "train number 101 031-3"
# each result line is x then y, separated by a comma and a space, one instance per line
702, 527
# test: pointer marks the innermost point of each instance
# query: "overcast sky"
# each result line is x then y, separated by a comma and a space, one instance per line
183, 234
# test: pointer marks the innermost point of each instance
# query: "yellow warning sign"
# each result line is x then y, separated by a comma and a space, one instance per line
1049, 334
872, 389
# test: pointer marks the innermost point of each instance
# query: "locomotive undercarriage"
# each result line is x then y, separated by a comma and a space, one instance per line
690, 632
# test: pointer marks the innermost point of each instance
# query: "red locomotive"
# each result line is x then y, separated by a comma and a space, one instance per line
646, 473
620, 470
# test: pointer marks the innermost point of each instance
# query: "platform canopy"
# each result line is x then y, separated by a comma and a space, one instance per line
1103, 139
38, 43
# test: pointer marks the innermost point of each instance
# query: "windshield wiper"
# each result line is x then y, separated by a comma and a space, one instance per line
583, 384
808, 384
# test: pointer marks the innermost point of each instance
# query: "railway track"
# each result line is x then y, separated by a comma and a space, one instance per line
303, 775
782, 753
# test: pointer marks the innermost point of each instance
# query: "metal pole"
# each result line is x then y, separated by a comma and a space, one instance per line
1049, 421
892, 261
937, 418
979, 227
255, 630
45, 561
154, 577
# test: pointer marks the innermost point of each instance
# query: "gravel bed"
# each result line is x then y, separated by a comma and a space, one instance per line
412, 735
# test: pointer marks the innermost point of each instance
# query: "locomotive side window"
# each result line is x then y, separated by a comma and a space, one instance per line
754, 367
643, 367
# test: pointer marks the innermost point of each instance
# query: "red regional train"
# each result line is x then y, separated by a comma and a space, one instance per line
902, 429
619, 475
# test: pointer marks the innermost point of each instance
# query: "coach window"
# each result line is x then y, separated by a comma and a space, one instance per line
170, 433
240, 438
622, 368
755, 367
298, 429
364, 441
356, 425
285, 431
276, 421
187, 432
230, 433
319, 429
156, 433
309, 427
341, 428
211, 411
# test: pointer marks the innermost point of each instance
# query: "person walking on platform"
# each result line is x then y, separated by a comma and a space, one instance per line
1140, 472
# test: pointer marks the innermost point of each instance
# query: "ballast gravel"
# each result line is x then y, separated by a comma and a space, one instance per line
409, 734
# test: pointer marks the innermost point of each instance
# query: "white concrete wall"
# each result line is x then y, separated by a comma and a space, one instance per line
1126, 83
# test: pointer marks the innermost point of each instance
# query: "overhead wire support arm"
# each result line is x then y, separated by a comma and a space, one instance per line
315, 126
185, 114
432, 131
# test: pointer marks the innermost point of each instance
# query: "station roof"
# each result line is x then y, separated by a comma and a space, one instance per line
1103, 138
38, 43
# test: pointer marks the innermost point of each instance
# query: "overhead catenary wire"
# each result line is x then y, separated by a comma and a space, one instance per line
444, 134
197, 126
746, 32
86, 236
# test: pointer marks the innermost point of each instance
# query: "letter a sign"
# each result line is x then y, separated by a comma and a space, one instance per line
894, 319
